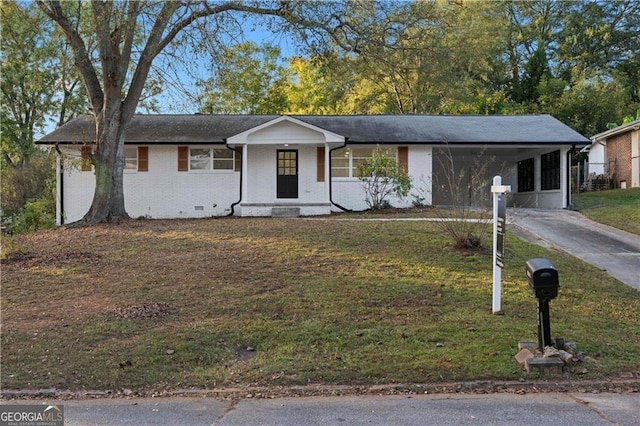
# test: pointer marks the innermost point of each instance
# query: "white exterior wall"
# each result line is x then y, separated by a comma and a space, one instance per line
349, 193
597, 156
261, 178
162, 192
549, 199
76, 186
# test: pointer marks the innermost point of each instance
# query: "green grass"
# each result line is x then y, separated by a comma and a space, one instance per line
619, 208
333, 302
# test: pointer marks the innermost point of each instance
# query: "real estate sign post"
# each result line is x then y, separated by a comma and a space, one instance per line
499, 221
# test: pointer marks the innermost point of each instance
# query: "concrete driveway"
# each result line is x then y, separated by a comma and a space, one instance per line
610, 249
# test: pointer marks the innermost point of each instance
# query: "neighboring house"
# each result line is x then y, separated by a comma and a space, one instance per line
615, 154
180, 166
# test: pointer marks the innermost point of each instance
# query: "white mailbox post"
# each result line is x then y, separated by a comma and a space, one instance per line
499, 228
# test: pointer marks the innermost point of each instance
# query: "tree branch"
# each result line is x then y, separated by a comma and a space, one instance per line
53, 9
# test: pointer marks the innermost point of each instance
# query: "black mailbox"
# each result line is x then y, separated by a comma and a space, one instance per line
543, 278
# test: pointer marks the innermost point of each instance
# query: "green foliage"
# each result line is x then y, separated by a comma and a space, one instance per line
38, 80
382, 177
460, 58
319, 85
588, 106
248, 80
27, 182
38, 86
37, 215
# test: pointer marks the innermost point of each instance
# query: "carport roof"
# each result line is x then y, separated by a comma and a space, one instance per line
382, 129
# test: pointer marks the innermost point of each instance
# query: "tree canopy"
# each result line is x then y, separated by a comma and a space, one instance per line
576, 60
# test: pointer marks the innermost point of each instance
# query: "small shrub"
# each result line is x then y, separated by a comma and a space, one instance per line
381, 177
36, 215
469, 218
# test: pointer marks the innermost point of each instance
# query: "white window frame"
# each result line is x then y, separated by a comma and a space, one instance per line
353, 161
213, 160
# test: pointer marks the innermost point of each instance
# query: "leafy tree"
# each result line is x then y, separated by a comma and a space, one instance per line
536, 70
38, 81
39, 87
564, 54
436, 56
319, 85
381, 177
246, 80
587, 107
600, 36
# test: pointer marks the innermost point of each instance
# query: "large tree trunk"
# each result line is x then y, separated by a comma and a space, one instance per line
108, 161
108, 198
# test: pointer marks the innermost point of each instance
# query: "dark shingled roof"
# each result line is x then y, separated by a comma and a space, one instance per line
400, 129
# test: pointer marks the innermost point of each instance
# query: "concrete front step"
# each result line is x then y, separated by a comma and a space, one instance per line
285, 212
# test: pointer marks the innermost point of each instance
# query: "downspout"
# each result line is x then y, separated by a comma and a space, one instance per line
346, 141
61, 194
233, 205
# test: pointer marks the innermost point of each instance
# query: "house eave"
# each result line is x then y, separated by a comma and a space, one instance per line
602, 137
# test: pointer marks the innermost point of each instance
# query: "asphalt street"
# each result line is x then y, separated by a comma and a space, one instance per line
583, 409
612, 250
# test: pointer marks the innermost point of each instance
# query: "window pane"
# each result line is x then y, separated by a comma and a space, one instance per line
222, 153
339, 172
223, 164
340, 162
526, 177
361, 153
550, 171
200, 159
131, 157
340, 153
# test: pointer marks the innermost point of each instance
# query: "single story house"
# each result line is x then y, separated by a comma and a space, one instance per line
185, 166
615, 154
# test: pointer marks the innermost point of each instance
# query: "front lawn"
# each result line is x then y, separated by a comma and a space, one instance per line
619, 208
175, 304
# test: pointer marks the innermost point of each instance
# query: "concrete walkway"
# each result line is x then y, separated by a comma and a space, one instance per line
610, 249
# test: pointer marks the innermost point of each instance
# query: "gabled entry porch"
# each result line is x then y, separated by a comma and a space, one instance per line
285, 168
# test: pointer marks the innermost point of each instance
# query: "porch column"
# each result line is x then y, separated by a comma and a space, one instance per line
245, 173
59, 189
565, 176
327, 171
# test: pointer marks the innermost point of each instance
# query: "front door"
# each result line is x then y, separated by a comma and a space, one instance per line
287, 173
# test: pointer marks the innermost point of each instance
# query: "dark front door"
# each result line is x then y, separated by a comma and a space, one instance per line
287, 174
